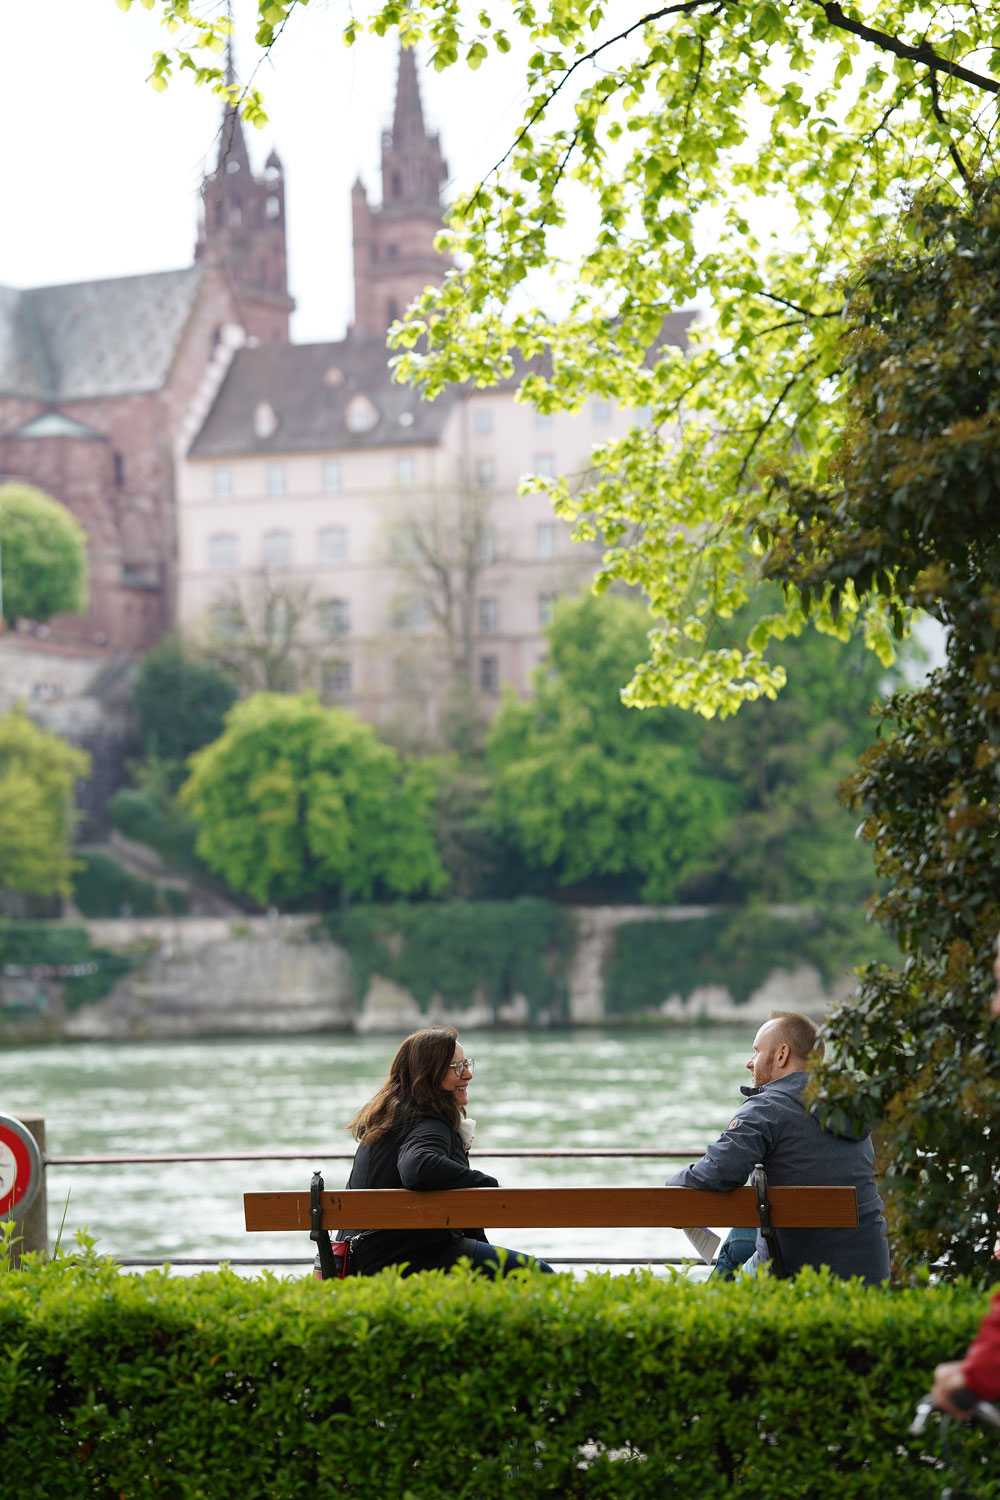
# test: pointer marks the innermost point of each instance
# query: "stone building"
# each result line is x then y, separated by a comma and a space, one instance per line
97, 379
362, 542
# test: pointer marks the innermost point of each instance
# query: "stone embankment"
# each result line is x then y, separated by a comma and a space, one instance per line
217, 976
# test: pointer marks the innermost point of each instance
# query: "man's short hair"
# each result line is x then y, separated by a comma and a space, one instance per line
801, 1034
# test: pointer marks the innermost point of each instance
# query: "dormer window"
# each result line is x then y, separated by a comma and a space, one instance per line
362, 414
265, 420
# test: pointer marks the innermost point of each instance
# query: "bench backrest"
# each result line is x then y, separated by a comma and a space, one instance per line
555, 1207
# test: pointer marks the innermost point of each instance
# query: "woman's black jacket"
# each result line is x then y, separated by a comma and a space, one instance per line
428, 1155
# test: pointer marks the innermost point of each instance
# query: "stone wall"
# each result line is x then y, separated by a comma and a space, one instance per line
215, 976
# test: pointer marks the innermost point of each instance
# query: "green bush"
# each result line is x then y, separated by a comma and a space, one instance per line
217, 1388
463, 949
737, 949
101, 888
140, 816
63, 955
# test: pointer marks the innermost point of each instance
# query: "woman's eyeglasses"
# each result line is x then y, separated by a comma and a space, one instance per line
467, 1065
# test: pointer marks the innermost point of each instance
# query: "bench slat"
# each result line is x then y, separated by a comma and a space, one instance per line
555, 1207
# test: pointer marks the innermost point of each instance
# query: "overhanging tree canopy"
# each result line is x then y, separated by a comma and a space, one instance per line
740, 158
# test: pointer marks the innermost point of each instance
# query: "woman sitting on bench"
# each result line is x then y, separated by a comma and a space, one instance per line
414, 1134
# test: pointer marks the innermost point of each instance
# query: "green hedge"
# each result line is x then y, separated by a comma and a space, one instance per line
102, 888
737, 949
461, 949
217, 1388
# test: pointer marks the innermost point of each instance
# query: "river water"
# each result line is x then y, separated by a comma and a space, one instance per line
672, 1088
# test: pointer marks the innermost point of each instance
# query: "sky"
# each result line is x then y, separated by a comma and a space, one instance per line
102, 173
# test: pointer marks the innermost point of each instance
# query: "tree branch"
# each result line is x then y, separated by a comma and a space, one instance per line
924, 54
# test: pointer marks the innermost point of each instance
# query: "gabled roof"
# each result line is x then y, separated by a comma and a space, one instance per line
94, 338
56, 424
312, 389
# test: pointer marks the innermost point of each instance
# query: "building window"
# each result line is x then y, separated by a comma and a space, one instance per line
278, 619
265, 419
545, 539
277, 549
485, 475
545, 465
275, 479
601, 413
336, 679
334, 617
222, 484
223, 551
362, 414
546, 609
543, 419
273, 206
488, 615
235, 216
406, 471
331, 476
482, 420
487, 546
408, 613
489, 674
119, 468
403, 547
333, 545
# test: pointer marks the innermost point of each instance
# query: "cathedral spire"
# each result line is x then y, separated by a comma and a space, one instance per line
394, 254
413, 168
242, 228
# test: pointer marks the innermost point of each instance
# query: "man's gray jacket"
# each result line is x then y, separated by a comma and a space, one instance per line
775, 1127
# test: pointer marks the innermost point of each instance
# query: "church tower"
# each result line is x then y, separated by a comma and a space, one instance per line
242, 230
394, 255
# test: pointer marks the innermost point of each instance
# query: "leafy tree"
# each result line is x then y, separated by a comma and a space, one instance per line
913, 516
790, 838
43, 556
590, 790
299, 803
665, 805
741, 159
38, 771
180, 703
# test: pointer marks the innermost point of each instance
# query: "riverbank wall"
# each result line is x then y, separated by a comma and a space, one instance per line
283, 975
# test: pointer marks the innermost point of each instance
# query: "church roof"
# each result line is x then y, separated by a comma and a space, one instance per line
94, 338
319, 396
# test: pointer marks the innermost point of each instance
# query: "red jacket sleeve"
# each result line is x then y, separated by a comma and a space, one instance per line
981, 1366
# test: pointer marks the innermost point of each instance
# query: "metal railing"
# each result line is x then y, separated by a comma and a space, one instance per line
340, 1154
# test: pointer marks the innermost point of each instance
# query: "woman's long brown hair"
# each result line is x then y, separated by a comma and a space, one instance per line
413, 1087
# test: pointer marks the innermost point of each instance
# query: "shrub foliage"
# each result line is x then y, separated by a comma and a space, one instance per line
217, 1388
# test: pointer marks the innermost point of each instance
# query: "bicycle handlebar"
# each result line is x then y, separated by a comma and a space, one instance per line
965, 1400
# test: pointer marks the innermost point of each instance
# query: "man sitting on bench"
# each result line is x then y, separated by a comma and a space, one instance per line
775, 1127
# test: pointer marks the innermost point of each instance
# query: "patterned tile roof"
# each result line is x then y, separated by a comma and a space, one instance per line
94, 338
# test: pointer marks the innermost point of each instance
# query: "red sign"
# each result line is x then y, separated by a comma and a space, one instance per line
20, 1167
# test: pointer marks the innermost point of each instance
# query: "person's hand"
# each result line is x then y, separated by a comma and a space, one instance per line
948, 1378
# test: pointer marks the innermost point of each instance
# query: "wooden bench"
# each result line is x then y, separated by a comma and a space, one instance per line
760, 1207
